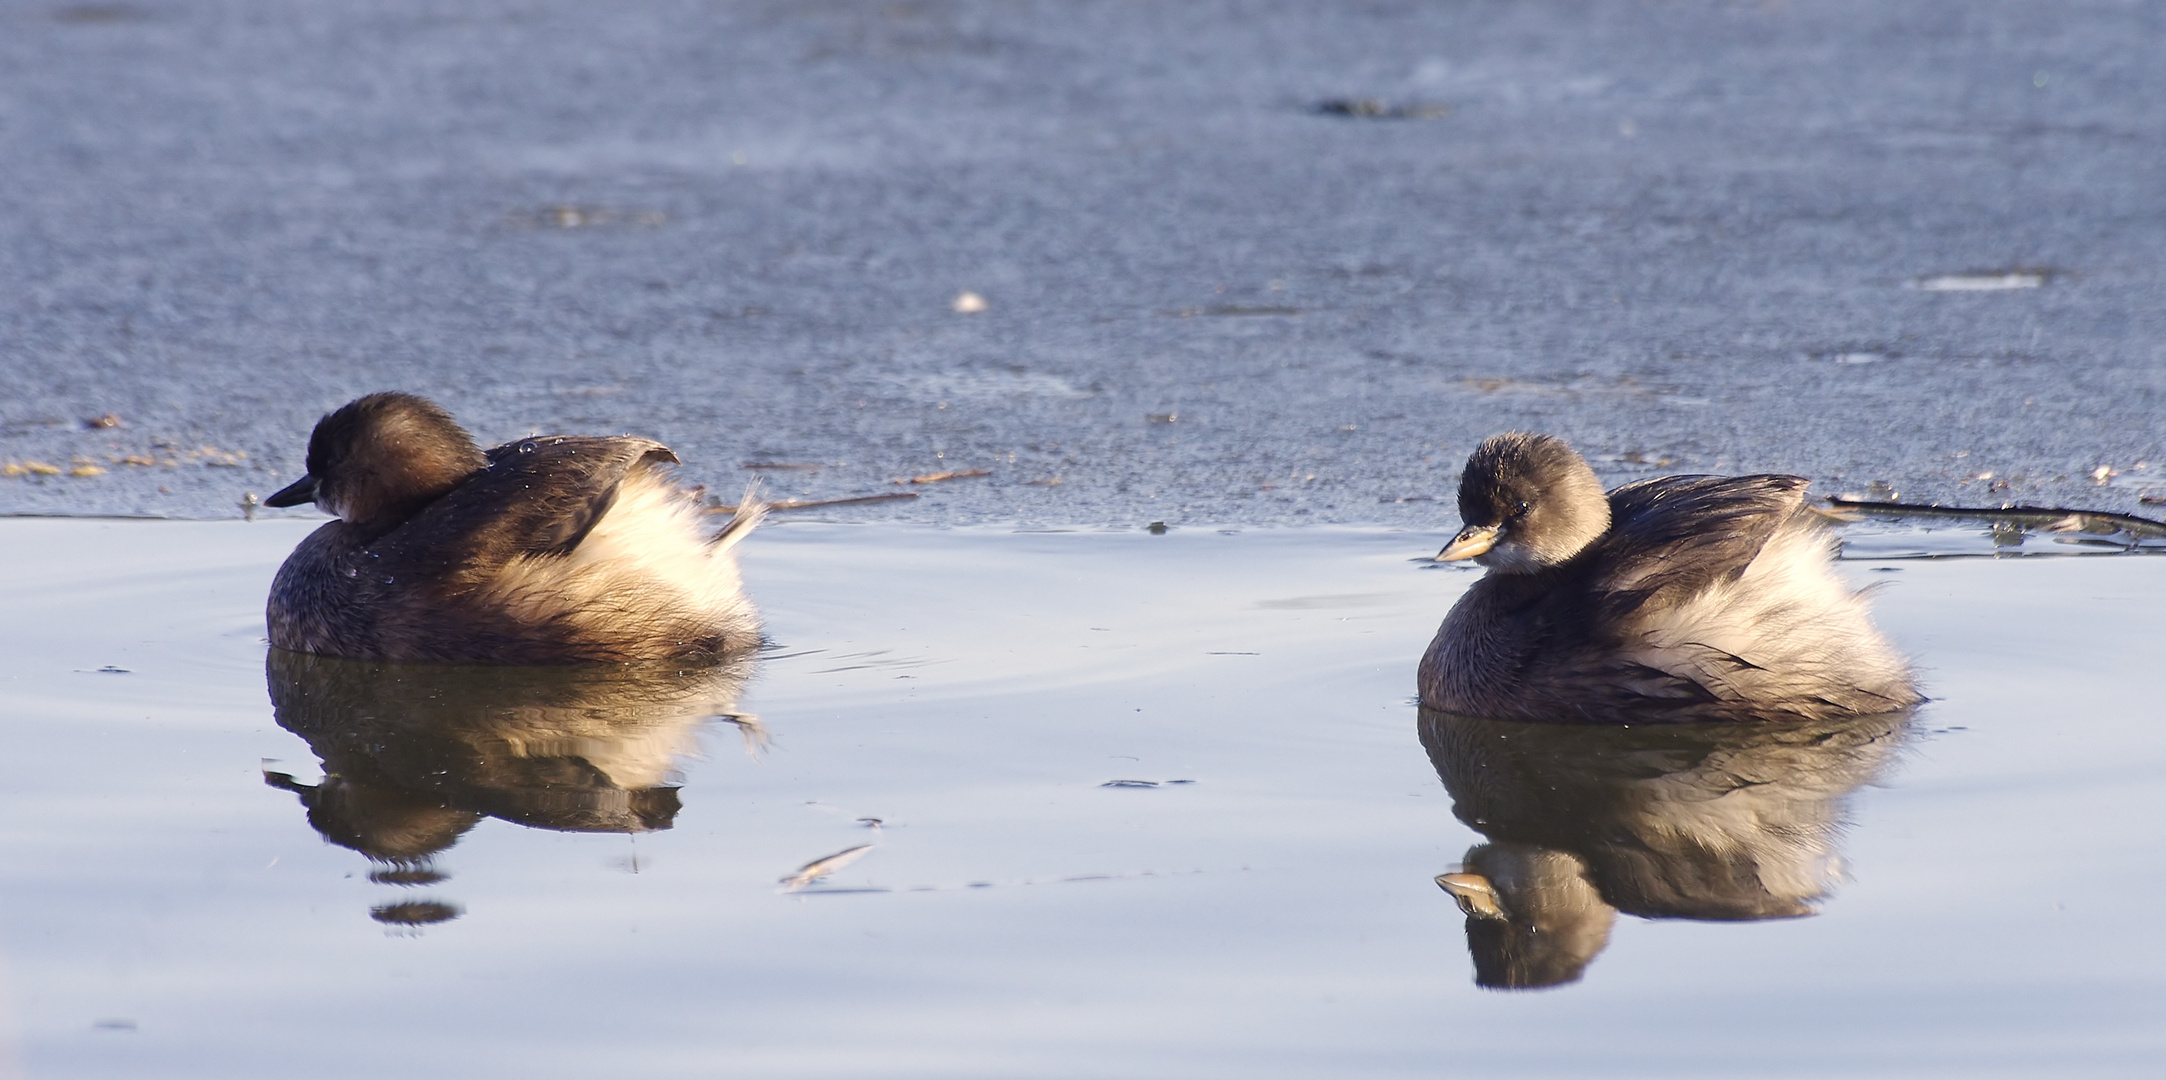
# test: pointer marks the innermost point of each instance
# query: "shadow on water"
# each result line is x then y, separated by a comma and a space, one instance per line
1679, 821
414, 755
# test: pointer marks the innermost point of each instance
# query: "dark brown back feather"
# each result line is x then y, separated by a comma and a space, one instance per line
539, 496
1673, 536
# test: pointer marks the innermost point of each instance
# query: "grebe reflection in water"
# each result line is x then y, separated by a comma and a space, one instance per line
1714, 821
414, 755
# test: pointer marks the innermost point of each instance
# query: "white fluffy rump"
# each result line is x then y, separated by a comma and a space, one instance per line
1786, 630
647, 573
632, 726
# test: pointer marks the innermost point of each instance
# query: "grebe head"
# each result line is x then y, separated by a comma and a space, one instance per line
1528, 502
377, 460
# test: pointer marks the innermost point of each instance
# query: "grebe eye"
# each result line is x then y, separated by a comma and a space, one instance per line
1520, 510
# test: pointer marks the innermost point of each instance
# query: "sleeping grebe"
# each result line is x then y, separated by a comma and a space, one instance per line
550, 550
1679, 598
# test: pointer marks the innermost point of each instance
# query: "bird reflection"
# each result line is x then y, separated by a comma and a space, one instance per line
414, 755
1717, 821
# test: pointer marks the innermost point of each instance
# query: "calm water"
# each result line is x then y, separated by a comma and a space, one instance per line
485, 874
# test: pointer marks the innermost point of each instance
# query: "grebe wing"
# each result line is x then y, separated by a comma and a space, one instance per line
538, 496
1672, 536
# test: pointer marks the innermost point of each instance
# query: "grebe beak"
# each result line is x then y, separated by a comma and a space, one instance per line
1471, 541
294, 494
1475, 894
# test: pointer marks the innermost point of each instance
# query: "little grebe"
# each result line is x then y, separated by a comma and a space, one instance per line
1677, 598
549, 550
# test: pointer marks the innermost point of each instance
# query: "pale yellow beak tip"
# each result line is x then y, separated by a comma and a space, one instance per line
1469, 543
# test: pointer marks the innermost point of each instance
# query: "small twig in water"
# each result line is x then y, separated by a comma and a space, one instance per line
934, 478
809, 504
2064, 520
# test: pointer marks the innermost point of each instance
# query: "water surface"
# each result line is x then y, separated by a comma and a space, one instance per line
576, 879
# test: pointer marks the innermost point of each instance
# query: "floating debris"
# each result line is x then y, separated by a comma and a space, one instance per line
821, 867
780, 465
1157, 528
566, 216
969, 303
81, 467
109, 420
808, 504
1130, 784
2056, 519
1377, 109
1162, 418
173, 458
934, 478
29, 468
1855, 358
1987, 281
